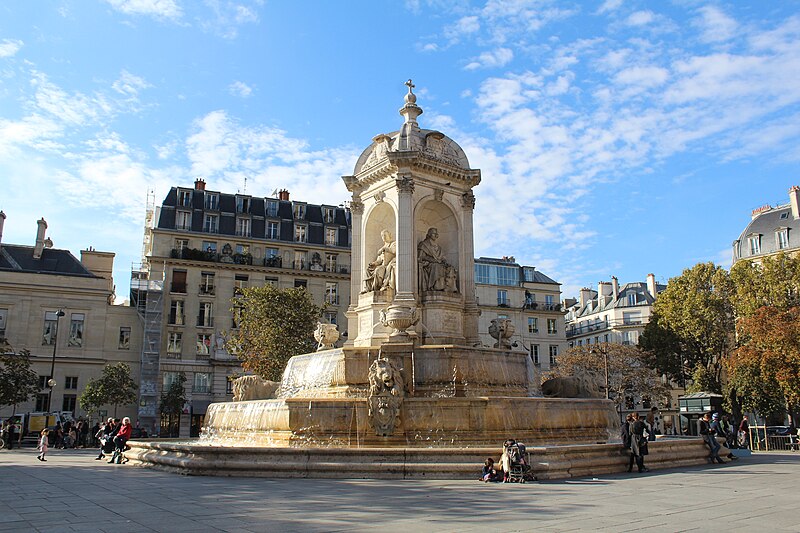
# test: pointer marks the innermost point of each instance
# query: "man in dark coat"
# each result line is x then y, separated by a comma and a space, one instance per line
639, 441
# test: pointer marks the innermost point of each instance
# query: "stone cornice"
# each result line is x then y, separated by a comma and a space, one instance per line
412, 161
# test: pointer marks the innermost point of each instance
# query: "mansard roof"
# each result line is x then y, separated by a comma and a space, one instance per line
17, 258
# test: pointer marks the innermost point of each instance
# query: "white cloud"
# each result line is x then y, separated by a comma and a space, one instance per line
227, 17
642, 76
715, 25
9, 47
499, 57
640, 18
610, 5
464, 26
129, 85
165, 9
240, 89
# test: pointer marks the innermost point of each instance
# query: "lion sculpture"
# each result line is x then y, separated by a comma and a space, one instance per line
254, 388
385, 396
581, 385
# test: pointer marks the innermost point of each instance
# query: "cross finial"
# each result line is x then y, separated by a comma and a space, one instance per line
410, 86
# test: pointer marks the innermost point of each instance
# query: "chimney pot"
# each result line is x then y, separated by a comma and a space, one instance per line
283, 194
200, 184
40, 234
2, 223
651, 285
794, 200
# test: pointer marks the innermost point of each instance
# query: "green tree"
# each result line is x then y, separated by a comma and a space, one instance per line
18, 381
114, 387
663, 350
273, 325
696, 310
774, 282
628, 373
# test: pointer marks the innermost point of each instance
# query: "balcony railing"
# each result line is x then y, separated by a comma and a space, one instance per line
178, 287
205, 321
206, 289
193, 254
176, 320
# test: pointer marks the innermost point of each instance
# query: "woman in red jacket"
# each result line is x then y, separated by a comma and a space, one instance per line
120, 439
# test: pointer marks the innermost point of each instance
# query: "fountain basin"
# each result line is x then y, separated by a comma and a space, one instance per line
548, 462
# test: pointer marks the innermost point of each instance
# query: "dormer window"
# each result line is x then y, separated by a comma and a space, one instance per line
242, 204
212, 201
755, 244
299, 211
243, 227
184, 198
300, 233
272, 208
328, 213
782, 238
183, 220
785, 215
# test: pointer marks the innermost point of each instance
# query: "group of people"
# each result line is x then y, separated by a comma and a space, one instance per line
113, 437
8, 431
636, 432
72, 434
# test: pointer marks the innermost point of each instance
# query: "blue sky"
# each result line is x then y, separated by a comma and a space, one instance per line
615, 137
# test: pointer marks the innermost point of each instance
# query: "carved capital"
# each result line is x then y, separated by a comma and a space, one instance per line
356, 207
379, 196
438, 194
405, 184
468, 200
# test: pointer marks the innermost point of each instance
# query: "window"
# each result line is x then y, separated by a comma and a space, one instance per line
211, 224
271, 281
552, 327
528, 274
207, 283
605, 337
3, 319
553, 354
535, 354
185, 198
202, 382
632, 298
50, 327
328, 213
272, 208
300, 283
236, 316
43, 382
229, 385
629, 337
124, 338
71, 382
299, 211
178, 281
331, 235
782, 237
174, 343
239, 283
273, 230
210, 247
299, 260
242, 204
496, 274
181, 244
169, 378
205, 319
243, 227
533, 324
243, 249
68, 403
76, 330
755, 244
183, 220
331, 293
548, 299
632, 319
203, 343
331, 317
41, 402
330, 262
176, 314
212, 201
300, 233
502, 298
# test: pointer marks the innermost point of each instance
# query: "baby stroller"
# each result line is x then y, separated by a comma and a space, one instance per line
519, 463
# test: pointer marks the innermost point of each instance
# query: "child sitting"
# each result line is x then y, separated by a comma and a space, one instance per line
489, 473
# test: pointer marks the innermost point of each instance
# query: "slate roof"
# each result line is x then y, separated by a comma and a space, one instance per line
638, 288
765, 225
18, 258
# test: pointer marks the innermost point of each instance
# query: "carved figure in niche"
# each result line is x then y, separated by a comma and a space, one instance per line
435, 273
227, 254
385, 396
380, 274
316, 262
253, 388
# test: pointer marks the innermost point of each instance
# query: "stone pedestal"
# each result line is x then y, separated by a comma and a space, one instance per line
442, 318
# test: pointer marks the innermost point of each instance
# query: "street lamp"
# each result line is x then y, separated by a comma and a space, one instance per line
52, 382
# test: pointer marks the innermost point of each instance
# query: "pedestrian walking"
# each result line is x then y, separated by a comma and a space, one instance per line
744, 432
44, 440
639, 436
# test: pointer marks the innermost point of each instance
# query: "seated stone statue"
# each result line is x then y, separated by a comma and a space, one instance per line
380, 274
435, 273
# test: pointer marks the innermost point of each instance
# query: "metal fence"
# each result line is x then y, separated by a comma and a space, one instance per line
773, 438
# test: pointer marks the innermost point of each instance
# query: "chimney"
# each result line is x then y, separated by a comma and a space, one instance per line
794, 199
100, 264
585, 296
651, 286
39, 246
615, 288
603, 288
199, 184
2, 222
283, 194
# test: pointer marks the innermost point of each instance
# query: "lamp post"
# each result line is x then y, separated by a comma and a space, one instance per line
52, 382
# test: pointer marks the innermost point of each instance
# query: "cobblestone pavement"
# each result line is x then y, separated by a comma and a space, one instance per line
73, 492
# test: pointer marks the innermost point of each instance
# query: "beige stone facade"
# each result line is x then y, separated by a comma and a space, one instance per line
530, 299
202, 247
35, 283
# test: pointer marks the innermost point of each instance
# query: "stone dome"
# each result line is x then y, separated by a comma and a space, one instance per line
430, 143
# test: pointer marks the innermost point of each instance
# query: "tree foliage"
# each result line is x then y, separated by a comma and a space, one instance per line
774, 282
273, 326
628, 371
174, 397
114, 387
754, 390
663, 350
696, 310
18, 381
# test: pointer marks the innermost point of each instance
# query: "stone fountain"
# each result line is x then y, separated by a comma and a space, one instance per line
411, 393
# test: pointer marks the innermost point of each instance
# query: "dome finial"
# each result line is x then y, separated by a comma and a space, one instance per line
411, 110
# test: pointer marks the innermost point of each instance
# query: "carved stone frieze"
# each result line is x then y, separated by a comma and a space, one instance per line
405, 184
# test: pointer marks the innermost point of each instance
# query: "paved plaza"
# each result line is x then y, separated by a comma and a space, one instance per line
73, 492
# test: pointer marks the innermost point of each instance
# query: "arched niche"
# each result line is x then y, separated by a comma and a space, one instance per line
437, 214
382, 216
